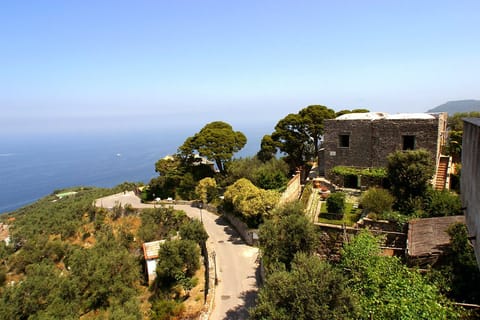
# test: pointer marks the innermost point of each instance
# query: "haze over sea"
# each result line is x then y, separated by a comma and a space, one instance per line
32, 167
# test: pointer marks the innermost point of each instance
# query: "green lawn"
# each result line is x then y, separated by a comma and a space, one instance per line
349, 218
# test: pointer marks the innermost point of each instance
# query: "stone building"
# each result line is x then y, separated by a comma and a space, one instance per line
150, 252
470, 180
364, 140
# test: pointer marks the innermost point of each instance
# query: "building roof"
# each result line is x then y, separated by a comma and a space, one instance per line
362, 116
429, 236
402, 116
150, 249
382, 115
474, 121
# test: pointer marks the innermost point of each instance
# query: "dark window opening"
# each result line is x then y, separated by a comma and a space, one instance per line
344, 141
350, 181
408, 142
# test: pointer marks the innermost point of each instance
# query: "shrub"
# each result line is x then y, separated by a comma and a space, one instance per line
377, 200
443, 203
167, 309
336, 202
206, 189
251, 203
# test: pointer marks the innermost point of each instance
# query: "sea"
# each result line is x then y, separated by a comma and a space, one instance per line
33, 166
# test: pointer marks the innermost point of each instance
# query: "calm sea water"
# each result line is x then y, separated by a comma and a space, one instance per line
34, 166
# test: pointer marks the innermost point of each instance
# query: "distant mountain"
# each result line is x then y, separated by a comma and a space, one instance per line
458, 106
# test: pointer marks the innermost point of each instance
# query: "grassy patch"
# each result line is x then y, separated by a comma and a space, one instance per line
350, 216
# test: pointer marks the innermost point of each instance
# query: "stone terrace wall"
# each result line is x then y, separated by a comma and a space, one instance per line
293, 191
332, 238
247, 234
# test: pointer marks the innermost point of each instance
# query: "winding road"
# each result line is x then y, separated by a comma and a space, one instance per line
236, 262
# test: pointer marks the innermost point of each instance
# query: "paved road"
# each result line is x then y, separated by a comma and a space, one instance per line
235, 261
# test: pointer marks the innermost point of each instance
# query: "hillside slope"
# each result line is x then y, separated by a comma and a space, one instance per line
457, 106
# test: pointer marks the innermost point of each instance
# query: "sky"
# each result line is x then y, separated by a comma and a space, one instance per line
126, 65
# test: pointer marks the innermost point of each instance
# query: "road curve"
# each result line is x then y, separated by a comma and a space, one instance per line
236, 262
236, 265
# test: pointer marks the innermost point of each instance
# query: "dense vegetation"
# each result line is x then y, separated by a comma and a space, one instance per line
362, 285
410, 192
455, 133
68, 259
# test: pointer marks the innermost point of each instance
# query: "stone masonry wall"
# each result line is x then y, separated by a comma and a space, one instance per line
293, 191
470, 180
360, 150
388, 137
372, 141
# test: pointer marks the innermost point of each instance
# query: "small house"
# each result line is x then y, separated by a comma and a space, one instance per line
150, 252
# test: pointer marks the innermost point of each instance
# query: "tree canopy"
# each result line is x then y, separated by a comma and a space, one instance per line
409, 173
299, 135
216, 141
457, 272
455, 132
271, 174
287, 233
386, 288
268, 148
313, 289
346, 111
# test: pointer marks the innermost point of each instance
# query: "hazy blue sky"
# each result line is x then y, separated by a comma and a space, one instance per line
80, 65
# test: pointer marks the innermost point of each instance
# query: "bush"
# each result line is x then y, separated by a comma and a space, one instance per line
193, 230
377, 200
252, 204
336, 202
167, 309
270, 175
206, 189
409, 173
178, 259
286, 234
442, 203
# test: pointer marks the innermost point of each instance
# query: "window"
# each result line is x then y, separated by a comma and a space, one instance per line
344, 141
408, 142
